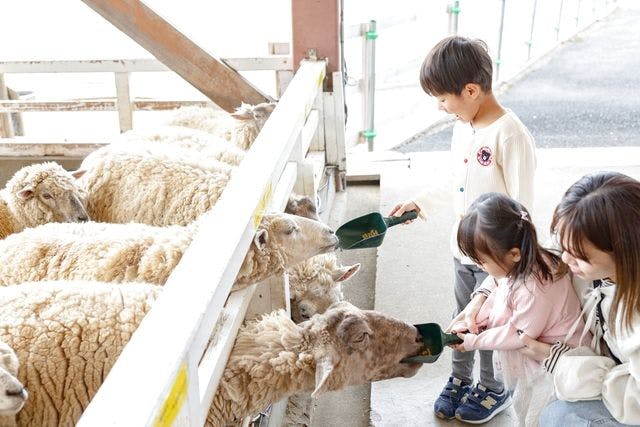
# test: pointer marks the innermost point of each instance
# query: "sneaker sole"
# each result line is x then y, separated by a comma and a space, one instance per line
443, 416
502, 407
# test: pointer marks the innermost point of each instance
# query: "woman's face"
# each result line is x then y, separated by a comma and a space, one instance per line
597, 265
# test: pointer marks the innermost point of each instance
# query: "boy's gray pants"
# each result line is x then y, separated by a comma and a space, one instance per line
467, 277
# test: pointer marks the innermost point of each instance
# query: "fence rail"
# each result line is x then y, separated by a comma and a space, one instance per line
122, 103
163, 358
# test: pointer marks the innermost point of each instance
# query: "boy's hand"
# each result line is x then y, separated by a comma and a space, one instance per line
403, 207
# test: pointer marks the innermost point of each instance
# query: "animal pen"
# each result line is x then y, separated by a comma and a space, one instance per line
169, 371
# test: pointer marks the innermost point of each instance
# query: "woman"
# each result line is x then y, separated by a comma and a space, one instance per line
598, 227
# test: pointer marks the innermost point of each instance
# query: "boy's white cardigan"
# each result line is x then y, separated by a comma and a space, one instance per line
497, 158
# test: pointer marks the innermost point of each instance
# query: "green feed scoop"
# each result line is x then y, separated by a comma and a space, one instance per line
434, 341
367, 231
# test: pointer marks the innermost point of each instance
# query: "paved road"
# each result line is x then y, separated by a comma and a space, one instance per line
585, 95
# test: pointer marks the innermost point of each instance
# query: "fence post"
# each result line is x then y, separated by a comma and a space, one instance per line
559, 21
6, 128
369, 81
578, 13
533, 20
498, 60
125, 110
453, 9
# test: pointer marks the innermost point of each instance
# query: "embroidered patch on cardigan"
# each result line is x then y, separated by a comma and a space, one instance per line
484, 156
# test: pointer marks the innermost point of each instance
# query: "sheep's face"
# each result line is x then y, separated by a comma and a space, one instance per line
316, 284
259, 113
13, 395
47, 193
294, 237
360, 346
302, 206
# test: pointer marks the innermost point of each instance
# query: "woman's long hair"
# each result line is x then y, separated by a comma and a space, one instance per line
604, 208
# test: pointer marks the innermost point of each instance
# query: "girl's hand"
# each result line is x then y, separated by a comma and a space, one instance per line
459, 347
403, 207
469, 314
534, 349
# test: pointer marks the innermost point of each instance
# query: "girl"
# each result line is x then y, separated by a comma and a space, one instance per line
598, 226
528, 289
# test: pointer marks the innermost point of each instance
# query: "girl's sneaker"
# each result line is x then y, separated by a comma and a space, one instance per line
446, 404
482, 404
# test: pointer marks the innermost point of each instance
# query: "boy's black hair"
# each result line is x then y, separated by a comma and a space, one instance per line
454, 62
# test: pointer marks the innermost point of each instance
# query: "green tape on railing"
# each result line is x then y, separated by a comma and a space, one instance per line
498, 61
455, 10
371, 35
369, 134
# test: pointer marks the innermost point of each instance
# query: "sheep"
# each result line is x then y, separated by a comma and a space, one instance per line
168, 152
139, 252
124, 187
302, 206
273, 358
185, 139
38, 194
69, 335
241, 127
13, 395
314, 285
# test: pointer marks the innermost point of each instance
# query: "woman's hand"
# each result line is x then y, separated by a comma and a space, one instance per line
469, 314
403, 207
534, 349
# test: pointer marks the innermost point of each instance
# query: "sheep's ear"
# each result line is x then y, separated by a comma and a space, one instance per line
324, 368
261, 239
26, 193
78, 173
343, 273
243, 113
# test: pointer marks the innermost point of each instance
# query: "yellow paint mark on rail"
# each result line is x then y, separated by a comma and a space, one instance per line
258, 213
174, 401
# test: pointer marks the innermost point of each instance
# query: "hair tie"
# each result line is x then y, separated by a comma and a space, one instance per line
524, 216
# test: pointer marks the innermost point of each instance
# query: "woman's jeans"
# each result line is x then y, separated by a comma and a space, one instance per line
585, 413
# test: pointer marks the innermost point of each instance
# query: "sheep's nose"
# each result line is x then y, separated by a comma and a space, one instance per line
22, 392
83, 218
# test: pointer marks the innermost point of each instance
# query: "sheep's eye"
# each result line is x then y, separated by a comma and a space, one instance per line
291, 229
47, 196
361, 337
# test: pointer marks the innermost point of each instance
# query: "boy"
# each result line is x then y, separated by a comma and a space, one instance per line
492, 151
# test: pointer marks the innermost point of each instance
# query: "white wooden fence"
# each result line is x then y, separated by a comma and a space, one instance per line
168, 373
122, 68
170, 370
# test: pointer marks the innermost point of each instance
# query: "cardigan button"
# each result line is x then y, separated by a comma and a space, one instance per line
466, 160
461, 189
